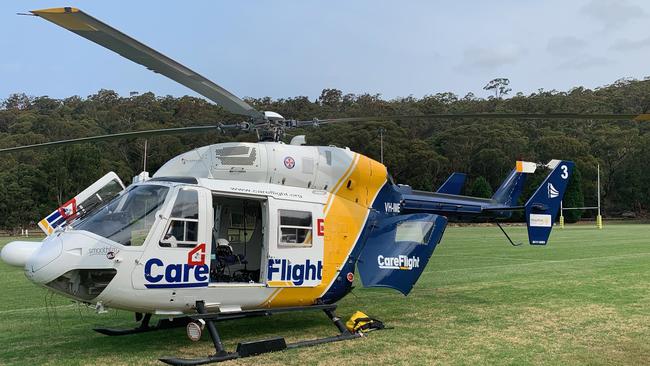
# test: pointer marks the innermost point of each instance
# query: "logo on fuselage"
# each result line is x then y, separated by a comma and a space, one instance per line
194, 273
401, 262
68, 209
552, 192
296, 273
102, 251
289, 162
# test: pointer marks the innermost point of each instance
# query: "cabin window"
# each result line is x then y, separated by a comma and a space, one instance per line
184, 221
414, 232
295, 229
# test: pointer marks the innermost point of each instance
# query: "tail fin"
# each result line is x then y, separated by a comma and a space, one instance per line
544, 204
510, 190
453, 184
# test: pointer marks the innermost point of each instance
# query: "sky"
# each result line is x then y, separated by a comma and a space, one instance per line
288, 48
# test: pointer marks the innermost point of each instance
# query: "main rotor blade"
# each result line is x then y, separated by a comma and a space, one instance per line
595, 116
123, 135
104, 35
315, 122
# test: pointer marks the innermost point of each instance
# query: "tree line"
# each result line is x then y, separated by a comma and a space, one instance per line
421, 153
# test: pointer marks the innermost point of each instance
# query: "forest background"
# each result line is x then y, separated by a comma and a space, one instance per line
421, 153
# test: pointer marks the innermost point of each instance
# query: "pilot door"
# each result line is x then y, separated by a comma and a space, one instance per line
295, 256
90, 199
177, 254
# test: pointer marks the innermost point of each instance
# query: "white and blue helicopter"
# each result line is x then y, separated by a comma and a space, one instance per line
237, 230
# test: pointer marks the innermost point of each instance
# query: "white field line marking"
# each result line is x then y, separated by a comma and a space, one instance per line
28, 310
490, 257
543, 262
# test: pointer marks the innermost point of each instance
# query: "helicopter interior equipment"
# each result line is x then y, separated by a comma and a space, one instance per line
236, 230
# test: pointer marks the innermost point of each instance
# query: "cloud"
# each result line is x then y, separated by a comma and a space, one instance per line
562, 46
630, 45
613, 13
585, 62
490, 58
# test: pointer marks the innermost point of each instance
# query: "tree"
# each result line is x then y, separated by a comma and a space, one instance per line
499, 86
330, 97
480, 188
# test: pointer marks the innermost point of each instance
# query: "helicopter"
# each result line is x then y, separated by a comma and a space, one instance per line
236, 230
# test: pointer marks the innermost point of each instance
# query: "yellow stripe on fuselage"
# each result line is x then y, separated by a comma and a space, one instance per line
279, 283
343, 178
346, 214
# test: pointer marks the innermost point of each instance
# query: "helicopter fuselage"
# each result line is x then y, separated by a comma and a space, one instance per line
244, 226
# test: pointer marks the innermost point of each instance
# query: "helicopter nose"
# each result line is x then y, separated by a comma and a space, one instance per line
17, 253
49, 250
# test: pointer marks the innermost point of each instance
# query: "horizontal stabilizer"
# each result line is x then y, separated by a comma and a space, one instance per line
526, 167
453, 184
509, 191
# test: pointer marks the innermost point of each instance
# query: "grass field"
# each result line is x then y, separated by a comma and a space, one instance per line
584, 299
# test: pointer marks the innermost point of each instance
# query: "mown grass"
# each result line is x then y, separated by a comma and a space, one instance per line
582, 300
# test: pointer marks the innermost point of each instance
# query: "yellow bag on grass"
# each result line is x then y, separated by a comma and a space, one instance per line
361, 322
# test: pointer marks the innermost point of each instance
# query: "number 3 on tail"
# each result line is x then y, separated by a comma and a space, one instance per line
565, 172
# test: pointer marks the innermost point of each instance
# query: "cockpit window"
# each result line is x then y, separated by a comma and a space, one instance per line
186, 205
128, 218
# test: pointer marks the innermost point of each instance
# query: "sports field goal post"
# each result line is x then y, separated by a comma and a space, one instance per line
599, 218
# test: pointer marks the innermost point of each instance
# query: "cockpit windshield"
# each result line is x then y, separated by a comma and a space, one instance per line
128, 218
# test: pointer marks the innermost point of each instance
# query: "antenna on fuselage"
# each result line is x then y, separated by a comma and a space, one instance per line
144, 175
144, 158
381, 144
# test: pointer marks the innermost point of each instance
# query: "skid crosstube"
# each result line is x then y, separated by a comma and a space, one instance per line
247, 349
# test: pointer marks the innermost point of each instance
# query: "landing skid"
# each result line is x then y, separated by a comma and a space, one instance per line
145, 327
246, 349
